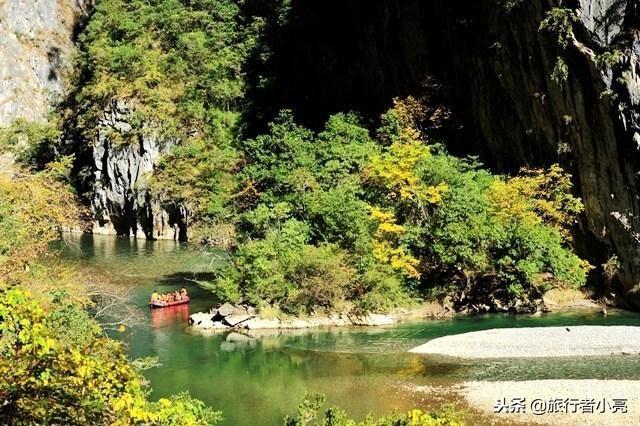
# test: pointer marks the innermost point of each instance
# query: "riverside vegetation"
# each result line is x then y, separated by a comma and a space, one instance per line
56, 364
358, 215
362, 215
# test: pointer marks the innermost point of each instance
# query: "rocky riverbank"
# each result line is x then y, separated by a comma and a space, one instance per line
230, 317
537, 342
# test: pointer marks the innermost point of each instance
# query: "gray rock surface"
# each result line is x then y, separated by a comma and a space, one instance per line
201, 320
122, 203
241, 316
35, 50
236, 320
371, 320
226, 309
537, 342
604, 19
262, 324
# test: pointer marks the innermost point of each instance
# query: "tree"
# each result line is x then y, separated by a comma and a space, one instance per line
46, 377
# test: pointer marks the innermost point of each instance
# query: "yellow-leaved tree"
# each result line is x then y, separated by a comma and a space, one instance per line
537, 196
398, 168
386, 246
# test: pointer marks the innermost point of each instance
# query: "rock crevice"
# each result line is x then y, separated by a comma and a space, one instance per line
121, 200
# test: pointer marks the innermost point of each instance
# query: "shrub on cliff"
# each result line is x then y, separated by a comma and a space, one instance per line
174, 71
177, 64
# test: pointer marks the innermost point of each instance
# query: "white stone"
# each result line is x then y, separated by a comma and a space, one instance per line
261, 323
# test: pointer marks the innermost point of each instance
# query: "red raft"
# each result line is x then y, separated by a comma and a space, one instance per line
159, 304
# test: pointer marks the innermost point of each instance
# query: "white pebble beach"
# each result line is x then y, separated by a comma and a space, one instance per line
601, 395
537, 342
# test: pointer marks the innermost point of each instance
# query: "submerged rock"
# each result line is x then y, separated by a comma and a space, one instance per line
235, 337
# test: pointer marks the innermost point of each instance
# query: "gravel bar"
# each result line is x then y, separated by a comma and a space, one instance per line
537, 342
557, 402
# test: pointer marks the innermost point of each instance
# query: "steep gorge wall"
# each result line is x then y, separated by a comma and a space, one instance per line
36, 44
120, 198
494, 68
36, 52
499, 80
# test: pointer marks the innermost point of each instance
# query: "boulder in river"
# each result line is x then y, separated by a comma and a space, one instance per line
235, 320
226, 310
201, 320
262, 323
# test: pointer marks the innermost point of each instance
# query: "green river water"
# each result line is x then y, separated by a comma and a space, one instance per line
260, 380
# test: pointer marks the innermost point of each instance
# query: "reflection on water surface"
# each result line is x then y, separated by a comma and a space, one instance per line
261, 377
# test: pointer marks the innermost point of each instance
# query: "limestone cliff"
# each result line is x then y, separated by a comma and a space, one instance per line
36, 41
494, 67
36, 49
121, 201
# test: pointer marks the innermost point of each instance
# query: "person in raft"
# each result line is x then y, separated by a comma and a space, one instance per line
169, 297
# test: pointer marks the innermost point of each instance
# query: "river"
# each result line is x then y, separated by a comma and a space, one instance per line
260, 380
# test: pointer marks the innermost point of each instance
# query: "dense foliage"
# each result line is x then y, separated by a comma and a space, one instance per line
324, 219
49, 378
33, 208
345, 218
56, 364
330, 220
309, 410
178, 65
173, 71
341, 216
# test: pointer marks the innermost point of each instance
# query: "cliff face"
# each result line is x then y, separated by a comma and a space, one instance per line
121, 201
516, 115
494, 67
36, 40
35, 48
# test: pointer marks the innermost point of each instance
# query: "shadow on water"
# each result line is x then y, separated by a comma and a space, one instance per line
187, 277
